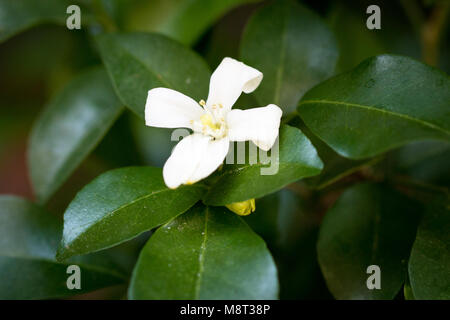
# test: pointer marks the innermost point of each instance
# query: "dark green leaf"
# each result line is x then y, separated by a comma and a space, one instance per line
356, 42
207, 253
290, 228
28, 240
118, 205
69, 128
292, 47
385, 102
184, 21
429, 264
138, 62
425, 161
368, 225
18, 15
297, 159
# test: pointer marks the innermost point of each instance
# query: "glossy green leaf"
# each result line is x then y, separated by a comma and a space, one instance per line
118, 205
368, 225
18, 15
429, 264
207, 253
28, 240
184, 21
138, 62
292, 47
297, 158
69, 128
385, 102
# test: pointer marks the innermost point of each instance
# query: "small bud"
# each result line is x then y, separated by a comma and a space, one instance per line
243, 208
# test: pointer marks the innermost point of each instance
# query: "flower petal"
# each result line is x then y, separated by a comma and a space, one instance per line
194, 158
229, 80
167, 108
259, 125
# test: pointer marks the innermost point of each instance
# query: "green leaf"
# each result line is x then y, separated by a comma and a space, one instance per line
18, 15
184, 21
138, 62
207, 253
429, 264
292, 47
368, 225
356, 42
297, 158
385, 102
119, 205
28, 240
70, 127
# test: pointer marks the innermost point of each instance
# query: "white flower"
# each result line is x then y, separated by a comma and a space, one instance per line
213, 122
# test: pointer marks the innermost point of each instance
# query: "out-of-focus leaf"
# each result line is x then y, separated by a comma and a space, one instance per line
425, 161
297, 158
138, 62
368, 225
69, 128
363, 42
289, 227
184, 20
385, 102
18, 15
429, 264
357, 42
119, 205
335, 167
292, 47
154, 144
207, 253
28, 240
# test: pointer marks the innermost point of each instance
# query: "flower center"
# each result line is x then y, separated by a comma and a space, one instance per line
212, 122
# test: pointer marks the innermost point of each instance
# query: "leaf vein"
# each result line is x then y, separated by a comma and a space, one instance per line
372, 108
201, 257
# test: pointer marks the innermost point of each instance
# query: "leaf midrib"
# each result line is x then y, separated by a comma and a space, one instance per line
374, 109
112, 212
201, 257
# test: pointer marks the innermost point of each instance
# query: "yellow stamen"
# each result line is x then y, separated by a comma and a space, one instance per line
207, 121
202, 103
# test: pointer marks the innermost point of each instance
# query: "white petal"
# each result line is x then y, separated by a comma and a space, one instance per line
194, 158
167, 108
229, 80
259, 125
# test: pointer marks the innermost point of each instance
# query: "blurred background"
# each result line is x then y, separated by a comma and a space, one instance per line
38, 62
